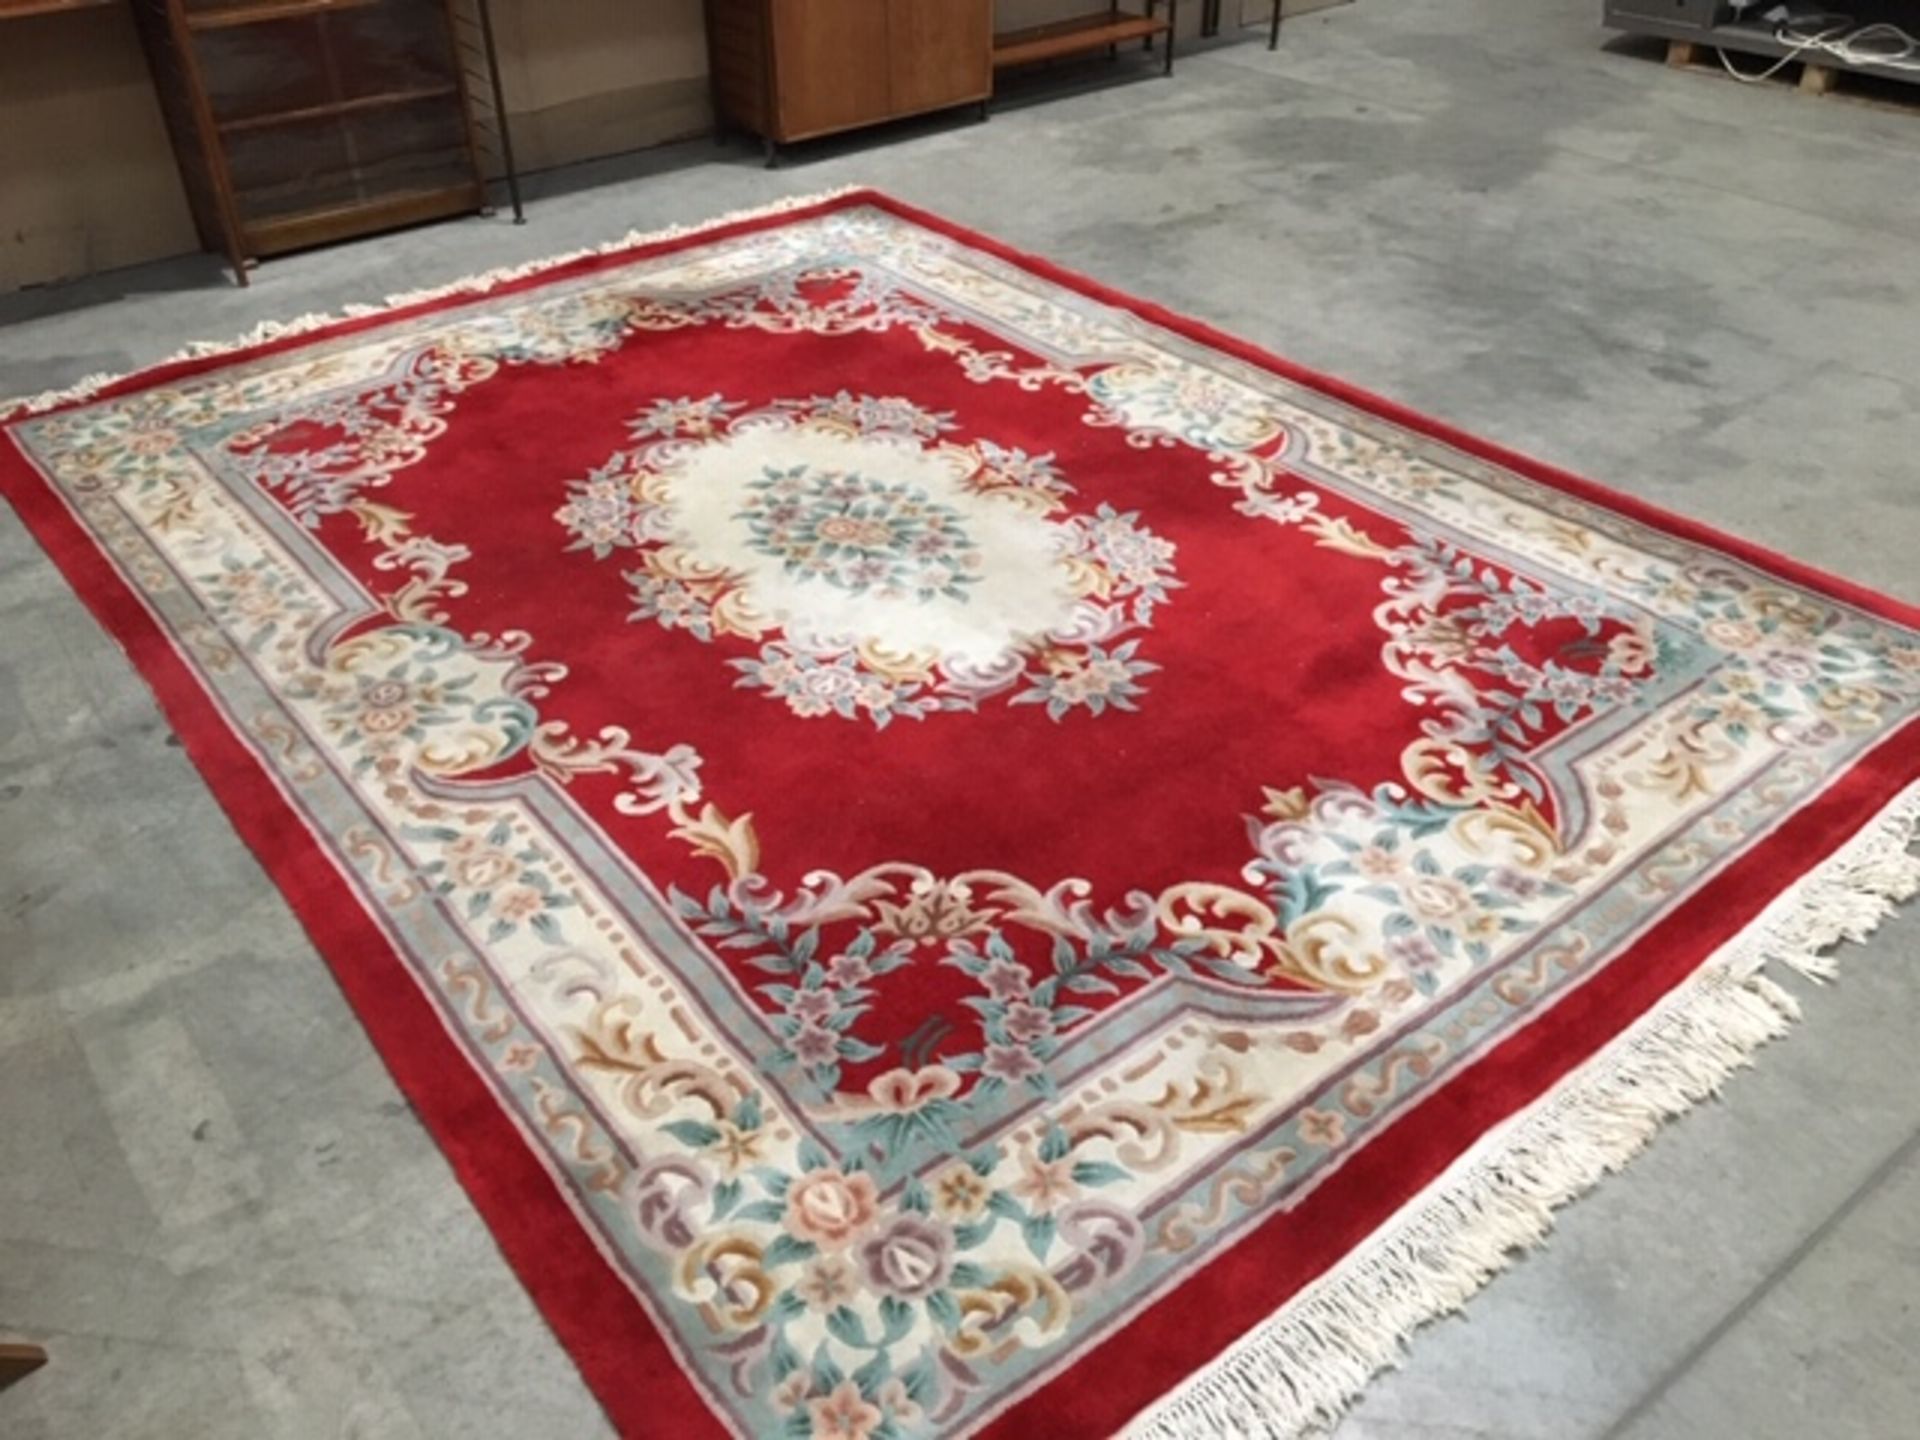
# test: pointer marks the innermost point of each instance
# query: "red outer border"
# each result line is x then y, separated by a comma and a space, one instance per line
629, 1366
597, 1318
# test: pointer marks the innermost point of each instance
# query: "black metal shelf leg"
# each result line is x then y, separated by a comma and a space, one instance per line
500, 111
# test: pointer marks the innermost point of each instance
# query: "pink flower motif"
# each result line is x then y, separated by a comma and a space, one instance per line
960, 1194
1438, 899
1378, 863
844, 1415
815, 1007
478, 865
1412, 952
814, 1045
831, 1208
1517, 883
1012, 1063
1045, 1184
519, 902
1027, 1023
1005, 980
847, 971
827, 1283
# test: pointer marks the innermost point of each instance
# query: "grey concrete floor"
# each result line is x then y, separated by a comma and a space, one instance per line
214, 1203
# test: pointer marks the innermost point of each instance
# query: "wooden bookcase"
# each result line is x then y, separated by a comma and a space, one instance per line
299, 122
789, 70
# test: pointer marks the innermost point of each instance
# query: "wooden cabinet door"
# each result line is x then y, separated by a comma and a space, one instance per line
941, 52
830, 64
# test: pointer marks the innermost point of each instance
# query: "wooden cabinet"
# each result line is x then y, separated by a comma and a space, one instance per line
794, 69
298, 122
942, 53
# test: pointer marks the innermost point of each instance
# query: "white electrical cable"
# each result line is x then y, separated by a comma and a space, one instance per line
1904, 53
1798, 48
1843, 40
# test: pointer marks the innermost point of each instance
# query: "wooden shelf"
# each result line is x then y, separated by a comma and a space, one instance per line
19, 9
334, 108
1073, 37
264, 11
327, 223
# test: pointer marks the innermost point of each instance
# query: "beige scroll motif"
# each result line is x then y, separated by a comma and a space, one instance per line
650, 1082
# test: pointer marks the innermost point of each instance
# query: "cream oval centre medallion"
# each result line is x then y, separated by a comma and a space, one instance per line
878, 566
873, 542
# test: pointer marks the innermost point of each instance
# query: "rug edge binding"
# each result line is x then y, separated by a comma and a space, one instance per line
1298, 1372
483, 283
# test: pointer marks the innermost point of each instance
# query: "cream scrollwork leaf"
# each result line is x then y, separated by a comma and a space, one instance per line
1214, 1102
726, 1275
430, 565
1339, 533
1144, 1138
651, 1083
1244, 928
383, 524
714, 836
1024, 1306
1450, 773
1322, 951
1520, 834
660, 782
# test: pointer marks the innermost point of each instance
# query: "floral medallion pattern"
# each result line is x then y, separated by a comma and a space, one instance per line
1052, 612
860, 533
1362, 752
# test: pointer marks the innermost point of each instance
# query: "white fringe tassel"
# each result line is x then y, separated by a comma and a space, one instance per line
1299, 1370
469, 285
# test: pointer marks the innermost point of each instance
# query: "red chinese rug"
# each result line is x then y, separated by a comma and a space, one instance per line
950, 853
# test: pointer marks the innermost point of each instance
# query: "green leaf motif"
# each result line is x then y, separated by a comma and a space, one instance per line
692, 1132
786, 1250
826, 1373
896, 1318
848, 1328
944, 1309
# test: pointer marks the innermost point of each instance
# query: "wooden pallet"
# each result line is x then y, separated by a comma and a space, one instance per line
1813, 77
